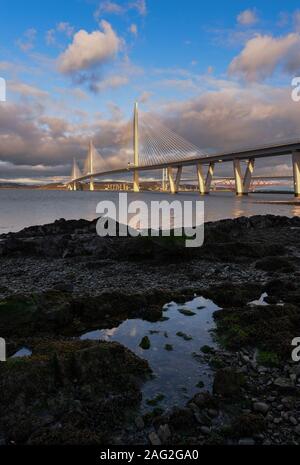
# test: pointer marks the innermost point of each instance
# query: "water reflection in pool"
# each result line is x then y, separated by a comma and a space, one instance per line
174, 341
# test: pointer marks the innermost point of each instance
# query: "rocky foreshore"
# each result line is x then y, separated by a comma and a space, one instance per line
60, 280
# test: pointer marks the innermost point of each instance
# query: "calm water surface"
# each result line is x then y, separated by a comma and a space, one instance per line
21, 208
178, 371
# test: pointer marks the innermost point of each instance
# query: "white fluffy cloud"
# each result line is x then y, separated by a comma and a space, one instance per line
247, 17
89, 50
264, 53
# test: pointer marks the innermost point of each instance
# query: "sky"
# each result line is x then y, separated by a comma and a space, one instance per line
217, 73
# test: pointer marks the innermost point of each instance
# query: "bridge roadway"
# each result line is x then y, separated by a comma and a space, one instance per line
242, 183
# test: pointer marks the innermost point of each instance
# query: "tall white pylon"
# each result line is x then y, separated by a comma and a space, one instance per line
91, 164
75, 174
296, 173
136, 184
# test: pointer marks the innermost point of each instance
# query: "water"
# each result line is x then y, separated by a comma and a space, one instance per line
23, 352
176, 372
261, 301
21, 208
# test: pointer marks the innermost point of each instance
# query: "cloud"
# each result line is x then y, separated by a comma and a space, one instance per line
247, 17
264, 53
26, 90
66, 28
63, 28
56, 126
283, 19
179, 84
30, 136
216, 120
140, 6
111, 7
235, 117
28, 40
296, 20
133, 29
112, 82
50, 37
145, 96
89, 50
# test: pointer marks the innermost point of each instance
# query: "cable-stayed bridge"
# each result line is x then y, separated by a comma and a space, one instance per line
156, 147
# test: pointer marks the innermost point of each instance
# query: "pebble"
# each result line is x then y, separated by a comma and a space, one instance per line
139, 422
260, 407
205, 430
164, 433
246, 442
154, 439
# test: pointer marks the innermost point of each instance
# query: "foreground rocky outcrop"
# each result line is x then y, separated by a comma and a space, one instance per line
59, 280
69, 392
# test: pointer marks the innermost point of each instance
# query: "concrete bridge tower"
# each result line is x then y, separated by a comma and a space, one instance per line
136, 183
91, 164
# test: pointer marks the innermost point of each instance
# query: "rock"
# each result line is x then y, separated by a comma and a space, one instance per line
186, 312
205, 430
169, 347
260, 407
139, 422
164, 433
154, 439
297, 430
228, 382
293, 421
203, 400
145, 343
64, 287
284, 385
207, 349
246, 442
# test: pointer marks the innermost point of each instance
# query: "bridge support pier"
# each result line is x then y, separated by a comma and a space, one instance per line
174, 184
136, 181
92, 187
204, 184
74, 186
296, 173
242, 184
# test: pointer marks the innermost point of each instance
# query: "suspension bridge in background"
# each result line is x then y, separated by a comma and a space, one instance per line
156, 147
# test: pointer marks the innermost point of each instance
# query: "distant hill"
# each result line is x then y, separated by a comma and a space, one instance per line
16, 185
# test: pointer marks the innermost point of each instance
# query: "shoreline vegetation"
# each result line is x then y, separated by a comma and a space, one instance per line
61, 280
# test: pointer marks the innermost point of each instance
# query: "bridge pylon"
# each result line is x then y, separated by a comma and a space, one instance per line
174, 184
136, 183
205, 183
242, 184
91, 164
296, 173
75, 173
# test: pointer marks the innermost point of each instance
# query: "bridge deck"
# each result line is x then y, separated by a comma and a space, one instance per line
274, 150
